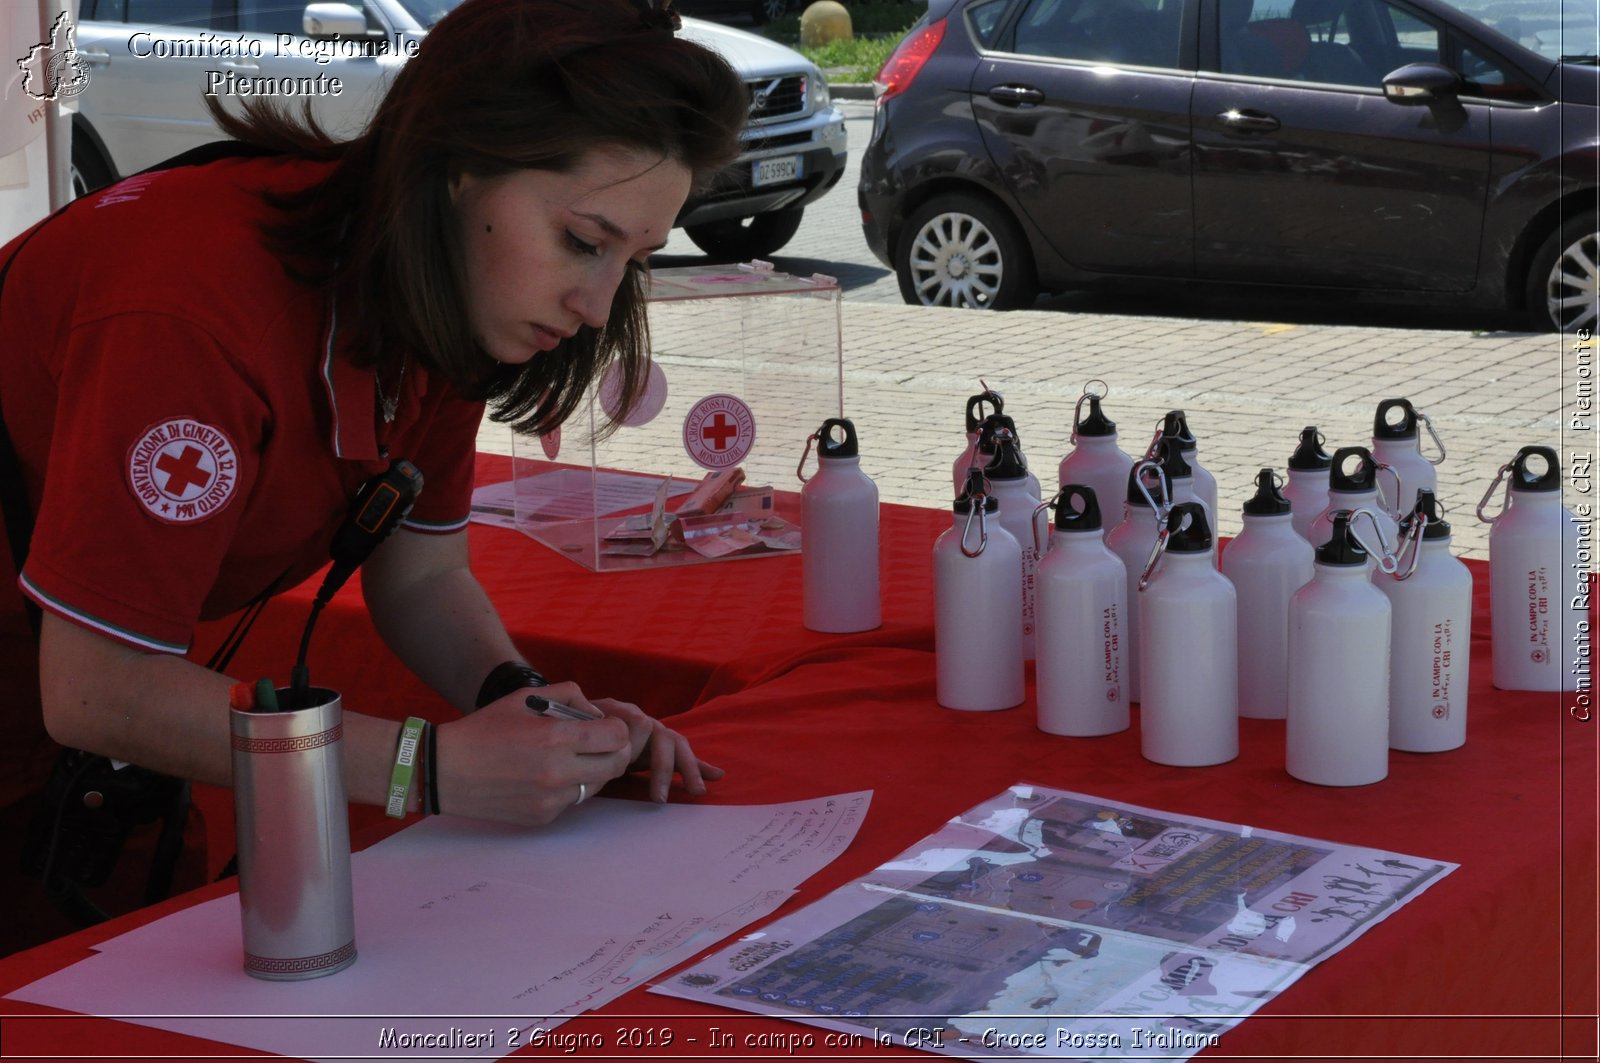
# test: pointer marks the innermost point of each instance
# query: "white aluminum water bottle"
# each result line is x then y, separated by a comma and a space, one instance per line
979, 407
1354, 487
1337, 731
1307, 489
1131, 540
839, 520
1095, 459
1266, 563
1430, 639
977, 582
1538, 606
1020, 515
1189, 659
1175, 425
1083, 604
1397, 443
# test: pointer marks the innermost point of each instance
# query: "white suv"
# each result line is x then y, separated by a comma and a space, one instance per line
151, 62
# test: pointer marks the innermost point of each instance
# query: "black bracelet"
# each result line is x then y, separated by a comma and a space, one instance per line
507, 678
430, 792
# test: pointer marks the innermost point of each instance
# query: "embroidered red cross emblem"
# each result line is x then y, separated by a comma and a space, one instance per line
720, 431
183, 471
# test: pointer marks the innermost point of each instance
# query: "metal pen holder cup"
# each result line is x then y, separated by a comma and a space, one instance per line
293, 830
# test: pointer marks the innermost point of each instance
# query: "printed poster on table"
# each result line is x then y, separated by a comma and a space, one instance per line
1057, 924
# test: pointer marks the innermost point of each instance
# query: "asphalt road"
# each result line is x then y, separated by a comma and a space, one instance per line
830, 242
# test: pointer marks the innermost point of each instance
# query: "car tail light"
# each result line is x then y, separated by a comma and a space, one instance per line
905, 62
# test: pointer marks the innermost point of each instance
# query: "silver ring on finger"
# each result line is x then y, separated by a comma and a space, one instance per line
583, 794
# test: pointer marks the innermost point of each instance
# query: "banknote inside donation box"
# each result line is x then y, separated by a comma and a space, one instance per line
719, 518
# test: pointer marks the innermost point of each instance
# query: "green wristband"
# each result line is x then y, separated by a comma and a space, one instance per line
404, 774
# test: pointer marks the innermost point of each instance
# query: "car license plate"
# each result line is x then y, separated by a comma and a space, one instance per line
775, 171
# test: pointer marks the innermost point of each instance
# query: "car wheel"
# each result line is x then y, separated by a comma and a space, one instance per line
1564, 283
958, 250
741, 239
89, 170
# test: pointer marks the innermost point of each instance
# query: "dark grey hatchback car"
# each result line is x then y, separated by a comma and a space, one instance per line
1377, 146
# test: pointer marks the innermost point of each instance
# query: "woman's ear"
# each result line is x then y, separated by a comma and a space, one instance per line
459, 182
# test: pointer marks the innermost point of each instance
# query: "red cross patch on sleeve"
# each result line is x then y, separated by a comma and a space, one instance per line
183, 471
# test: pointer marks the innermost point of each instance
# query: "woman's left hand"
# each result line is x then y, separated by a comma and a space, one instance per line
656, 747
660, 750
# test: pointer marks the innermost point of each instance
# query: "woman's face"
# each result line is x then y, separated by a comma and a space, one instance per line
546, 251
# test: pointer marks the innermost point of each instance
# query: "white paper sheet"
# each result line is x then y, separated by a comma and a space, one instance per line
567, 494
471, 936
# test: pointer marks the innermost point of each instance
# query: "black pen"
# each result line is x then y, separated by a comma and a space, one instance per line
560, 710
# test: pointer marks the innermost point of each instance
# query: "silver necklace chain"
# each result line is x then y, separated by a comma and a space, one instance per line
390, 406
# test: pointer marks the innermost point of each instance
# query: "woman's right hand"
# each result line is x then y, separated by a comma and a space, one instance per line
508, 763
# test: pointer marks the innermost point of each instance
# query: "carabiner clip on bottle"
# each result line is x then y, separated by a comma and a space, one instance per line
1412, 539
1434, 435
1155, 440
1483, 503
1399, 506
1077, 407
1159, 509
979, 503
1047, 506
1156, 551
800, 470
1388, 560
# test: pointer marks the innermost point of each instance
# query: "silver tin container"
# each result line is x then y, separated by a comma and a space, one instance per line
293, 828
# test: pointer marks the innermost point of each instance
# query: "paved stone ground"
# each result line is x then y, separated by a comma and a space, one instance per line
1248, 389
1248, 386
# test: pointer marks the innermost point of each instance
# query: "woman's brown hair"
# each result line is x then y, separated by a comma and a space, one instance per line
496, 86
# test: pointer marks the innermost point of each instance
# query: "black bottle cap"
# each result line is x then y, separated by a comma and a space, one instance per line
1383, 428
1188, 530
1007, 463
992, 424
976, 485
1428, 507
1096, 423
1155, 485
1268, 501
1342, 547
1523, 479
1169, 455
1309, 455
1176, 425
829, 447
975, 406
1363, 478
1077, 510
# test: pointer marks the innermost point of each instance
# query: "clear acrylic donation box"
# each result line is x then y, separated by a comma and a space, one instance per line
746, 364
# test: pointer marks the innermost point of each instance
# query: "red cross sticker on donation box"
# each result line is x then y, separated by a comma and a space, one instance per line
719, 432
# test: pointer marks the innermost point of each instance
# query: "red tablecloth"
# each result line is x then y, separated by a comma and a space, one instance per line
1484, 965
664, 638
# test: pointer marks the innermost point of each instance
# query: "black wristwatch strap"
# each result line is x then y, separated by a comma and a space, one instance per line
507, 678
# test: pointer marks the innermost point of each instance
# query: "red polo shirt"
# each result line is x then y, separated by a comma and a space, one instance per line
190, 425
